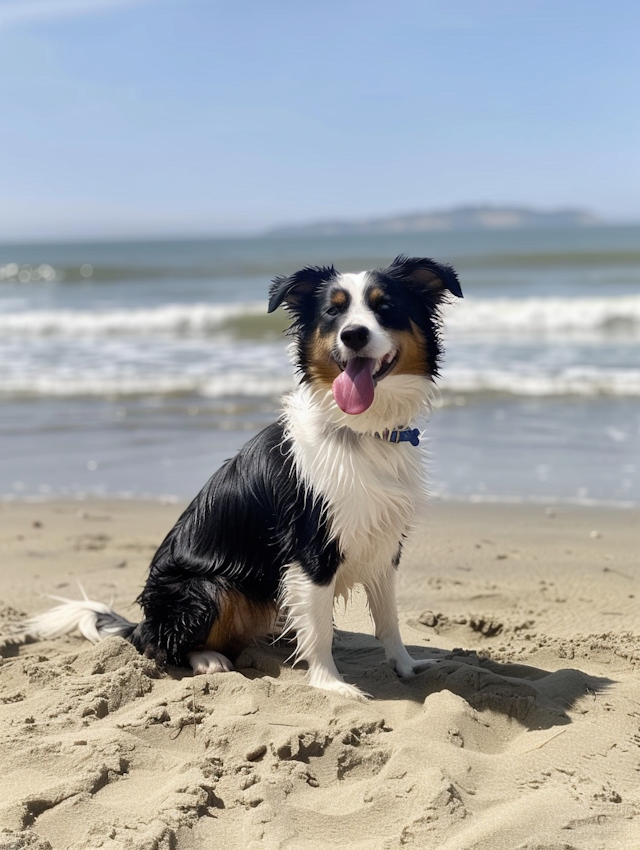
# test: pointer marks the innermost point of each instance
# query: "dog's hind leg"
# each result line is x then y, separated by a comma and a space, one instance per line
310, 615
381, 595
200, 622
208, 661
238, 621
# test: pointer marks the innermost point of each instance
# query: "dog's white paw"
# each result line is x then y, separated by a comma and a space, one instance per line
349, 691
325, 682
208, 661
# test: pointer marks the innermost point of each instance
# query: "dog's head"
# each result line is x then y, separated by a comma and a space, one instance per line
363, 335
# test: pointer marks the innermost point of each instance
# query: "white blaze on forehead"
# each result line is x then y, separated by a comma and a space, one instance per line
359, 313
355, 285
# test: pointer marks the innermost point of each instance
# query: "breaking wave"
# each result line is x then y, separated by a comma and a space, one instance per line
549, 316
615, 315
459, 381
575, 380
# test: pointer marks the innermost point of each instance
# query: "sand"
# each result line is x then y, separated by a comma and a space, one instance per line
526, 735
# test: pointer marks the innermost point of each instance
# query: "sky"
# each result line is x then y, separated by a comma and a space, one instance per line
134, 118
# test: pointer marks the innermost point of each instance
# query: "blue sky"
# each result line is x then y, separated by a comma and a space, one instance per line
128, 118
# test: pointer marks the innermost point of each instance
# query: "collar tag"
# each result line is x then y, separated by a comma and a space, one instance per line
408, 435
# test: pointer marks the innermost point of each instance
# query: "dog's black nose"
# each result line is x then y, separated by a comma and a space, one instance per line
355, 337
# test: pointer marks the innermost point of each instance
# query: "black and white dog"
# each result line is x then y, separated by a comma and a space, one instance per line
314, 504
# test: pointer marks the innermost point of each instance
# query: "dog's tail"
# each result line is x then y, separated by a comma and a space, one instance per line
94, 620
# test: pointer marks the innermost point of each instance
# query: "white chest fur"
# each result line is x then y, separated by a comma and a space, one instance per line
372, 488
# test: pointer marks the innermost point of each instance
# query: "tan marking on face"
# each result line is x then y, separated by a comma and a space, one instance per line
339, 298
239, 621
412, 358
375, 296
322, 368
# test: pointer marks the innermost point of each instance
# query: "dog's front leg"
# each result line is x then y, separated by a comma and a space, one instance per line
381, 595
310, 615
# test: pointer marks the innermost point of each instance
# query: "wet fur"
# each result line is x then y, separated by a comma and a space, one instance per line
311, 505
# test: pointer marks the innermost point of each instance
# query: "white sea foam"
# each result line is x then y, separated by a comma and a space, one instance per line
548, 316
184, 349
477, 316
58, 385
574, 380
458, 381
170, 319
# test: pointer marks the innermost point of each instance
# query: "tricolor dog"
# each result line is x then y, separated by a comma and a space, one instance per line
319, 501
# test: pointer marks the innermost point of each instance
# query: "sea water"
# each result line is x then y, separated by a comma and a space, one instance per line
136, 368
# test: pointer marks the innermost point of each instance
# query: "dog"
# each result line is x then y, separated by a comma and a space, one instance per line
317, 502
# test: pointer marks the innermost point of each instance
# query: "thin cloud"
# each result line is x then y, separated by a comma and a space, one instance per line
34, 11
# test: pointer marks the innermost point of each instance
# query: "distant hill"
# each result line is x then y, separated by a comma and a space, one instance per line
459, 218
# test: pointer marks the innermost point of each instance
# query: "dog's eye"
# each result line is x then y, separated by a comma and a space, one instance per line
333, 310
383, 306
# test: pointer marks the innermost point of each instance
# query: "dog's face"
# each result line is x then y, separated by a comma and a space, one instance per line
356, 331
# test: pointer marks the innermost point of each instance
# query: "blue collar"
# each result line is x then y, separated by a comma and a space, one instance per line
408, 435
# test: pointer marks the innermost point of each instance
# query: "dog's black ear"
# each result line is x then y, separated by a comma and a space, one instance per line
434, 278
293, 290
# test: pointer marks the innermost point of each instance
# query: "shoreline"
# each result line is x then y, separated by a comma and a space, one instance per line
524, 735
550, 502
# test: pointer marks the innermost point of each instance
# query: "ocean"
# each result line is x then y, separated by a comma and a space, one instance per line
133, 369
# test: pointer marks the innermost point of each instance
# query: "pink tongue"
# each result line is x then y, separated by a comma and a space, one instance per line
353, 389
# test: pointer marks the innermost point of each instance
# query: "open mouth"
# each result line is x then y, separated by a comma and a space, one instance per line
354, 388
381, 367
384, 366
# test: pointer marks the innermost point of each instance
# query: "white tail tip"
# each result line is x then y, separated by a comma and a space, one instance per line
94, 620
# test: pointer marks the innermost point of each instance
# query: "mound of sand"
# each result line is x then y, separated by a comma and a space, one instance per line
526, 738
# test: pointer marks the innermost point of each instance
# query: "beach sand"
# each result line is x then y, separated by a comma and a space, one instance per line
526, 735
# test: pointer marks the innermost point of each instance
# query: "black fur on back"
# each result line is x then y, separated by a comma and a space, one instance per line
250, 520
